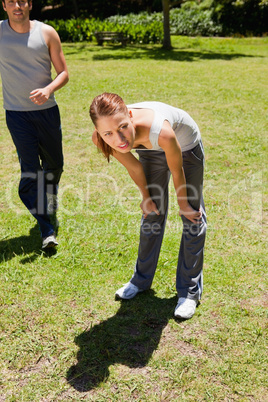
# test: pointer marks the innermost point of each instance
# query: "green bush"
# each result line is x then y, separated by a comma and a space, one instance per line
193, 21
138, 30
142, 18
190, 19
75, 30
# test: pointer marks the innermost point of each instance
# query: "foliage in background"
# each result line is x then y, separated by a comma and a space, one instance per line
209, 18
93, 8
205, 18
83, 30
134, 26
244, 17
192, 20
140, 28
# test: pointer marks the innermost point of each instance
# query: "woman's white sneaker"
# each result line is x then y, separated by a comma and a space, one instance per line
185, 308
128, 291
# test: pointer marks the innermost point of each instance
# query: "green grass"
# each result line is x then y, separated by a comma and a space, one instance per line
63, 337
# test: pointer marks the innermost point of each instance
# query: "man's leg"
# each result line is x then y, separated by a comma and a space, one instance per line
32, 186
48, 126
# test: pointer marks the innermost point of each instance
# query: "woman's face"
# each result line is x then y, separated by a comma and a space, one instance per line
117, 131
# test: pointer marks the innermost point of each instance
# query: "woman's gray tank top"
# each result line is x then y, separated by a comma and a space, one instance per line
185, 128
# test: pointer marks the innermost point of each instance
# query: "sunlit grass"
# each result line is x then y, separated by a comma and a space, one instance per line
136, 350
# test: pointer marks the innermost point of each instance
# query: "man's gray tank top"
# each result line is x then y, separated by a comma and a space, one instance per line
25, 65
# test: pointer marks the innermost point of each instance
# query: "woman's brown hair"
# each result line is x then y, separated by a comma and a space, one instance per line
106, 104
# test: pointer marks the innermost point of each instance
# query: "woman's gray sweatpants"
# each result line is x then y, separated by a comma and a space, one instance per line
189, 282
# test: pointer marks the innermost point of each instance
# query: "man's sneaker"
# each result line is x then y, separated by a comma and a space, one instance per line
185, 308
49, 241
128, 291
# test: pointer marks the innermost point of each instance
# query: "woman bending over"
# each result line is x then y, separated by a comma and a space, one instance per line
168, 142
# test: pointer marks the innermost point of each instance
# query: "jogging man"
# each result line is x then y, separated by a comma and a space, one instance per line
27, 49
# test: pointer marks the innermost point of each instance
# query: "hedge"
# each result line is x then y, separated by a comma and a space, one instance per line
139, 28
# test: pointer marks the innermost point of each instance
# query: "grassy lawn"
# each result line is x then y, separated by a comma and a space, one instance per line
63, 337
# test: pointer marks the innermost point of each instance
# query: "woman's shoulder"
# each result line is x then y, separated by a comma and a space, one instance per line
154, 105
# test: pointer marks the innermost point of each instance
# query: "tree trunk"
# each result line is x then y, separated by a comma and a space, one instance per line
167, 40
76, 9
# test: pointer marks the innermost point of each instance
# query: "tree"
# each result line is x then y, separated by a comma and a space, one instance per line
76, 9
167, 40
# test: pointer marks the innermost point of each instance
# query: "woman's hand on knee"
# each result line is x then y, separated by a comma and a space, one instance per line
148, 206
191, 214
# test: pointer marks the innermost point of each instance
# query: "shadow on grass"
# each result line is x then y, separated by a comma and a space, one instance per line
24, 245
152, 53
175, 54
129, 338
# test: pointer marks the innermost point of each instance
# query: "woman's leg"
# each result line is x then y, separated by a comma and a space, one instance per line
189, 282
152, 228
